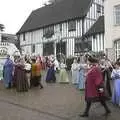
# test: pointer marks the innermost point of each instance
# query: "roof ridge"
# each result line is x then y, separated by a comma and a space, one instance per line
55, 13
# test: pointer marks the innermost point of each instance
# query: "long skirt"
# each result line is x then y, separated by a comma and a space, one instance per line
107, 80
63, 76
21, 82
81, 79
51, 78
116, 93
74, 76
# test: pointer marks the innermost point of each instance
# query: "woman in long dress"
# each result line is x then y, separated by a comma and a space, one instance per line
81, 75
50, 77
20, 76
7, 72
74, 70
63, 73
107, 77
116, 89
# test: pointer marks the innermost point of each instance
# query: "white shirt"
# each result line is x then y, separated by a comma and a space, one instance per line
27, 66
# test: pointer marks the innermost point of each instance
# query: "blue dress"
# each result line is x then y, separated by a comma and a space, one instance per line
7, 72
116, 88
51, 78
81, 77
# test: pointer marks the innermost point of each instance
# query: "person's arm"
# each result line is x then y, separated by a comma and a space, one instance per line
113, 74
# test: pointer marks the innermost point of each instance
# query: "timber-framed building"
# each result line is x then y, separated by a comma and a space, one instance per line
63, 27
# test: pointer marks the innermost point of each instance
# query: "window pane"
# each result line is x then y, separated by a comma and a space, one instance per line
33, 48
48, 31
117, 15
71, 25
23, 36
99, 8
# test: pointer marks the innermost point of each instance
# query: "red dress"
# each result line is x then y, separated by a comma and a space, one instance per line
94, 80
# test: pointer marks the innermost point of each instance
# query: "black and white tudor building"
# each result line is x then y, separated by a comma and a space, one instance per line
69, 27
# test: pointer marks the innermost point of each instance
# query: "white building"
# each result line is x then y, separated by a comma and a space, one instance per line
112, 27
63, 27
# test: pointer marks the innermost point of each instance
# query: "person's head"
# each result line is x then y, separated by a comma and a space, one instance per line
75, 61
62, 60
8, 56
22, 61
92, 60
102, 62
33, 60
117, 65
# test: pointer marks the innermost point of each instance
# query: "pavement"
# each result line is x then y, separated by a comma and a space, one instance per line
54, 102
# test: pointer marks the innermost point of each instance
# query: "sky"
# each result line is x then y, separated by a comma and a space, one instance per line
13, 13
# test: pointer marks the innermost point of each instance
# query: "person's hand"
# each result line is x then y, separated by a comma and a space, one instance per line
101, 90
117, 76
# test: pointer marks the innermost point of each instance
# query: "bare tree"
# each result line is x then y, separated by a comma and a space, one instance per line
2, 27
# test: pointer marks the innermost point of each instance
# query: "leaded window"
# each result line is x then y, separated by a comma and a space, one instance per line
48, 31
33, 48
99, 8
117, 15
71, 25
23, 36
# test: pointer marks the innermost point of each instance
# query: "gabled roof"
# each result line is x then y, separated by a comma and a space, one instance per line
98, 27
56, 13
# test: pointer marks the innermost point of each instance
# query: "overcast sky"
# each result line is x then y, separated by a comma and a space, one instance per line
13, 13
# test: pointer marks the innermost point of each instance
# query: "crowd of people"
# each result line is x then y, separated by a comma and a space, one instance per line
22, 73
100, 78
25, 72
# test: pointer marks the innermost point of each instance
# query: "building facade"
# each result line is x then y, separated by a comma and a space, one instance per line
96, 35
62, 28
112, 27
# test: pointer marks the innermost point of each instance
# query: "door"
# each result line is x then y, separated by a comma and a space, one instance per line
61, 48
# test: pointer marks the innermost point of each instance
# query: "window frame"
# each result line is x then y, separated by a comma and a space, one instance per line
98, 8
47, 30
72, 25
24, 37
116, 14
33, 48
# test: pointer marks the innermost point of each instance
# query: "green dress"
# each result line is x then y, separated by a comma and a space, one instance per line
63, 74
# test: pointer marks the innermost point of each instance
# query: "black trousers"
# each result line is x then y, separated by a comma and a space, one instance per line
89, 103
36, 81
39, 81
